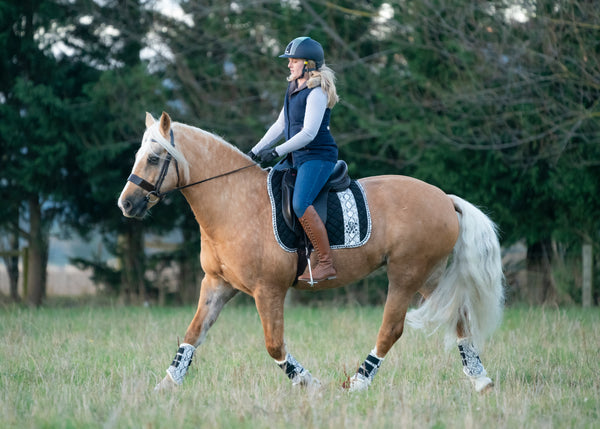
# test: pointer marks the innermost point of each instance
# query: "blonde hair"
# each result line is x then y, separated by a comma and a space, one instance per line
325, 78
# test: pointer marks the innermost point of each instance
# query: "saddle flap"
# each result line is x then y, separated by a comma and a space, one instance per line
287, 192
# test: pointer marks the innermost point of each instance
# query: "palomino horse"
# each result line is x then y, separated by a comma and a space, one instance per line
432, 243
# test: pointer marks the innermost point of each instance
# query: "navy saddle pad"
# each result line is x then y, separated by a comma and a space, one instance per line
348, 218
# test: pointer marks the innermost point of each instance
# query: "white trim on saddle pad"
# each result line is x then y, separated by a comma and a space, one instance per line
350, 214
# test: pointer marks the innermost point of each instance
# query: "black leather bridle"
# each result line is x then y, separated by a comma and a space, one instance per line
154, 190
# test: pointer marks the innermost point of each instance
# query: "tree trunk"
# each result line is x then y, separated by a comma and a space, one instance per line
189, 268
11, 260
12, 267
541, 287
133, 264
38, 254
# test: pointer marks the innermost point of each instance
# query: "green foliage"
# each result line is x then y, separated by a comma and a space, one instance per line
109, 132
504, 117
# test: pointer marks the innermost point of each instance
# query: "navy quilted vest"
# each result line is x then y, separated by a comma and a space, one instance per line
323, 146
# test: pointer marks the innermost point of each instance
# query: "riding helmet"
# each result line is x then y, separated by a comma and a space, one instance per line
305, 48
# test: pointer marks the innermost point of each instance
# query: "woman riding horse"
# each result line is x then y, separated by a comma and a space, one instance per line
436, 244
309, 146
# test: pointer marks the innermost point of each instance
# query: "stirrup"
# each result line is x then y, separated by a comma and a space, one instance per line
312, 282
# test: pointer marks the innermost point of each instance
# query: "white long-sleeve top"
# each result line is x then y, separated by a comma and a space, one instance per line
316, 104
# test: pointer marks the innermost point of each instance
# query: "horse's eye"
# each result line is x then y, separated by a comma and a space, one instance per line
153, 159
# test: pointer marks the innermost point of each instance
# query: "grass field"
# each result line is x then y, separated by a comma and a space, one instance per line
95, 367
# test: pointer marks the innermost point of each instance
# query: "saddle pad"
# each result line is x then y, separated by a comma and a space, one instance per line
348, 217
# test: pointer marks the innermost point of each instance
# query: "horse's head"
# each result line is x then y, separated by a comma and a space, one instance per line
155, 171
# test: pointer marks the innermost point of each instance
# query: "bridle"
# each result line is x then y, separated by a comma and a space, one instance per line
154, 195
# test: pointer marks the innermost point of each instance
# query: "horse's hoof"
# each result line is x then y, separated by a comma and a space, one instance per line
314, 384
166, 384
482, 384
314, 388
305, 379
357, 383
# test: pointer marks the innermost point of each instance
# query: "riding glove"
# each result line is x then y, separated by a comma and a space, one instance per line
267, 155
253, 156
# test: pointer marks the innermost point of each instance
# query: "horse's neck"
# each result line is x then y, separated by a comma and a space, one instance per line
224, 203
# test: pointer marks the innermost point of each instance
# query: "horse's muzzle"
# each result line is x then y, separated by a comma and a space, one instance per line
133, 208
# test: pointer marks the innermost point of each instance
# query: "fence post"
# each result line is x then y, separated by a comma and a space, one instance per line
586, 289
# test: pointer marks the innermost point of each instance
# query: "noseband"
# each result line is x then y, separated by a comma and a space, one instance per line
154, 195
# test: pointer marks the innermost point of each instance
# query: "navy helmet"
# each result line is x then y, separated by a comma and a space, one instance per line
305, 48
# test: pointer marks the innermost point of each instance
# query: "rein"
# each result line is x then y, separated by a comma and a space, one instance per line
206, 180
154, 190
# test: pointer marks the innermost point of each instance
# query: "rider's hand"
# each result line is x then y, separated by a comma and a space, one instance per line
267, 155
253, 156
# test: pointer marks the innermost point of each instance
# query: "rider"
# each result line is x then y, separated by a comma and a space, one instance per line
309, 147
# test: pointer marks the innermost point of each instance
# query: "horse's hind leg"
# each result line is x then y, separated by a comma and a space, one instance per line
214, 294
390, 331
472, 366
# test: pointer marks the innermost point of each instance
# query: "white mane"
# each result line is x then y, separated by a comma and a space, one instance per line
151, 135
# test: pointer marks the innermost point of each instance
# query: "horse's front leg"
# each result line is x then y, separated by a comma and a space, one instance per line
214, 294
269, 303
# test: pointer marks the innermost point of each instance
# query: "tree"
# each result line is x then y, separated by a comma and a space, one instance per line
500, 110
35, 137
513, 104
109, 128
56, 54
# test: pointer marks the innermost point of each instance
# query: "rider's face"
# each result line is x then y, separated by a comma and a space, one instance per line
296, 67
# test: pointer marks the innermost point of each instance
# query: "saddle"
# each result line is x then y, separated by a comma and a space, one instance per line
342, 205
338, 181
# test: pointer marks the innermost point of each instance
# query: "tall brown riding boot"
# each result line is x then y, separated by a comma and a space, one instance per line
317, 234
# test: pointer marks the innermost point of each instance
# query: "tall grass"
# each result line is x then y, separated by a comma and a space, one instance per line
96, 367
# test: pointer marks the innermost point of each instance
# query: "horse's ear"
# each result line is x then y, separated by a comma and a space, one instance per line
149, 120
165, 124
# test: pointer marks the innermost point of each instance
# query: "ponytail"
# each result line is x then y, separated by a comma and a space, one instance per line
325, 77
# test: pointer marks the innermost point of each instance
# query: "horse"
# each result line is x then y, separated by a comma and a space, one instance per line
431, 243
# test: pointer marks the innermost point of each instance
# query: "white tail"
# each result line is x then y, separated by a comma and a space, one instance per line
471, 291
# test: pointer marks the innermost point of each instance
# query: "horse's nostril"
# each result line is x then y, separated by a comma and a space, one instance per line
126, 205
